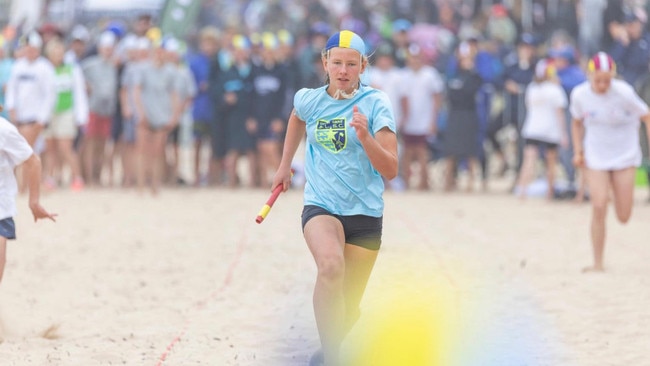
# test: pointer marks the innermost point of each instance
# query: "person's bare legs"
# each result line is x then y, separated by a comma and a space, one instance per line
599, 188
3, 256
623, 190
50, 156
359, 262
159, 141
268, 160
230, 163
253, 169
551, 164
527, 170
326, 241
450, 174
407, 159
69, 156
142, 156
422, 159
472, 170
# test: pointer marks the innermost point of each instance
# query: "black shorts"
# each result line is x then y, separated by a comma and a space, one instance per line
542, 144
360, 230
8, 228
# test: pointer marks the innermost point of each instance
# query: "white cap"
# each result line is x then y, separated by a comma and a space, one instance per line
32, 39
106, 39
172, 45
143, 43
80, 33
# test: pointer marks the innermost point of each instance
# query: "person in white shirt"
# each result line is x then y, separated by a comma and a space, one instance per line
420, 105
31, 91
544, 125
606, 112
15, 151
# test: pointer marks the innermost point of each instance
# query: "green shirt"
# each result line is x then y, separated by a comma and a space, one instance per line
64, 89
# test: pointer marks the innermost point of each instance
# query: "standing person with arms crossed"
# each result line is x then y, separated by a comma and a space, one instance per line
351, 145
15, 151
606, 113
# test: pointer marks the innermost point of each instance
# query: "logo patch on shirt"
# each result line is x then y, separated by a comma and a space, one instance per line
332, 134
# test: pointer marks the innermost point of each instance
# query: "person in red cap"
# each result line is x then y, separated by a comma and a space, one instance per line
606, 112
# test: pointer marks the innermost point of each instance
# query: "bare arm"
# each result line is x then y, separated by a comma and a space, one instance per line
32, 175
561, 120
437, 103
381, 149
295, 134
578, 132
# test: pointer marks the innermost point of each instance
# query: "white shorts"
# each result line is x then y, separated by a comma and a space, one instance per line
62, 126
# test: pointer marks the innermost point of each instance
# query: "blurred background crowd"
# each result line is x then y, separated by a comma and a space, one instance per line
122, 88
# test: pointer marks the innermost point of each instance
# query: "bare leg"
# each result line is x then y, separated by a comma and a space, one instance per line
407, 158
325, 239
551, 163
141, 161
159, 141
49, 163
623, 189
599, 185
69, 156
359, 262
473, 165
231, 167
197, 161
527, 169
422, 158
450, 174
253, 169
3, 256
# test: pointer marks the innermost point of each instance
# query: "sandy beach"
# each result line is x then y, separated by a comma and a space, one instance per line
188, 278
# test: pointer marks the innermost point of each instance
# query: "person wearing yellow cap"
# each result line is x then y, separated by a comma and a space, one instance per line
233, 88
269, 80
606, 112
351, 144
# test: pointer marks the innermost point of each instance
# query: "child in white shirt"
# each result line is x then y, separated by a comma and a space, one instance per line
15, 151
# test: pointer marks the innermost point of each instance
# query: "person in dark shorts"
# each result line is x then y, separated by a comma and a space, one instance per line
351, 145
15, 151
544, 126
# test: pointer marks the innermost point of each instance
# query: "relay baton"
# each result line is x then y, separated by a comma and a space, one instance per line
269, 203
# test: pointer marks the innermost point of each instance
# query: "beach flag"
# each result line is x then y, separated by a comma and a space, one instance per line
179, 16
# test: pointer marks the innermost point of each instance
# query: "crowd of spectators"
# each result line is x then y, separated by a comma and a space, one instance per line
117, 97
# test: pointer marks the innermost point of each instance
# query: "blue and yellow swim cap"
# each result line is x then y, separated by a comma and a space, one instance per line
346, 39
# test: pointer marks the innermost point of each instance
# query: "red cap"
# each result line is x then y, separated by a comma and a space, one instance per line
601, 62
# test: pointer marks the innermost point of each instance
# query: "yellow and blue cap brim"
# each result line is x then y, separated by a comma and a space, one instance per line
346, 39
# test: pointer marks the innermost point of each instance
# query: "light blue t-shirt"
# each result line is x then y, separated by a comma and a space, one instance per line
5, 71
339, 176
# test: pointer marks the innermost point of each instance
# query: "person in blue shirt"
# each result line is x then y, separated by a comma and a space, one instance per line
6, 63
203, 107
631, 49
351, 144
571, 75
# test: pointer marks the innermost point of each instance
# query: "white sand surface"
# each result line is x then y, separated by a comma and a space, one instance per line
188, 278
